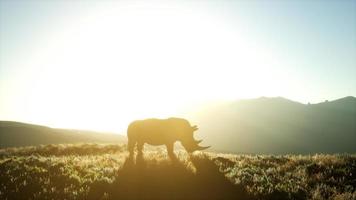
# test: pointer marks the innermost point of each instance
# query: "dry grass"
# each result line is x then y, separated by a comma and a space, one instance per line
92, 171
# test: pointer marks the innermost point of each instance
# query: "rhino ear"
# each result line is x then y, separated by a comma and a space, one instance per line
195, 127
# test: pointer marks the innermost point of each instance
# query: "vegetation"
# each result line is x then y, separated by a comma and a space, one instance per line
93, 171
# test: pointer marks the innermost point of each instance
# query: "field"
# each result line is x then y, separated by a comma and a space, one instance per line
93, 171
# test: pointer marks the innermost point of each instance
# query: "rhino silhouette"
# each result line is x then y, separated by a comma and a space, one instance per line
162, 132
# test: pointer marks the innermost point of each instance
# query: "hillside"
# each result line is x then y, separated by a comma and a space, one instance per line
263, 125
91, 171
14, 134
278, 125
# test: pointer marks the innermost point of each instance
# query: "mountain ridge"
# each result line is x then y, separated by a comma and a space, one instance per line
262, 125
14, 134
279, 125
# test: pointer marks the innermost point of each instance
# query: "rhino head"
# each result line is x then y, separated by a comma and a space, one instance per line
188, 141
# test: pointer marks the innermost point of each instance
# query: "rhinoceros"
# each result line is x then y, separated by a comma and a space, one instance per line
162, 132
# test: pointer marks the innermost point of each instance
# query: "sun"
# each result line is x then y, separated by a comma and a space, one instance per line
123, 62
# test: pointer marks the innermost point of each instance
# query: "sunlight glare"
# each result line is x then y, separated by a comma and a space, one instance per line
126, 62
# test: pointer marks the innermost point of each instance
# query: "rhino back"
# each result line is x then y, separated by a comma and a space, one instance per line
152, 131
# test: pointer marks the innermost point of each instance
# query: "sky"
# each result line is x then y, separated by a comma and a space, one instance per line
100, 64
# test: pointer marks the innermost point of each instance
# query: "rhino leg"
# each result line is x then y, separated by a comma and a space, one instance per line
170, 151
140, 148
131, 146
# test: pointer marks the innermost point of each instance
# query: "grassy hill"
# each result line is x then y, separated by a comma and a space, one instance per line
14, 134
92, 171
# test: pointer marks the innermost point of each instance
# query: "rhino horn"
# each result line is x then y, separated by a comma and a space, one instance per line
198, 141
202, 148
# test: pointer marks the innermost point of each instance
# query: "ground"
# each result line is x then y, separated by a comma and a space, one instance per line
93, 171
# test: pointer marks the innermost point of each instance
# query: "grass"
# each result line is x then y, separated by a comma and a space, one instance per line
93, 171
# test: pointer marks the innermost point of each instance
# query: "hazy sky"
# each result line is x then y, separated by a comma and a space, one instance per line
97, 64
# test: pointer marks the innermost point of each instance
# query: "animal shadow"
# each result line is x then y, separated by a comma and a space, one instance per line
151, 179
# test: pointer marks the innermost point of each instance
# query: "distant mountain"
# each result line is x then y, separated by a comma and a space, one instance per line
263, 125
279, 125
347, 104
14, 134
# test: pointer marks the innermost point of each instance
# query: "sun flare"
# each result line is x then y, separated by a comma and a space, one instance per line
121, 62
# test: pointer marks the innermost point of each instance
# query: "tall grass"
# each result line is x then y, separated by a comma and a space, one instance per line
93, 171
